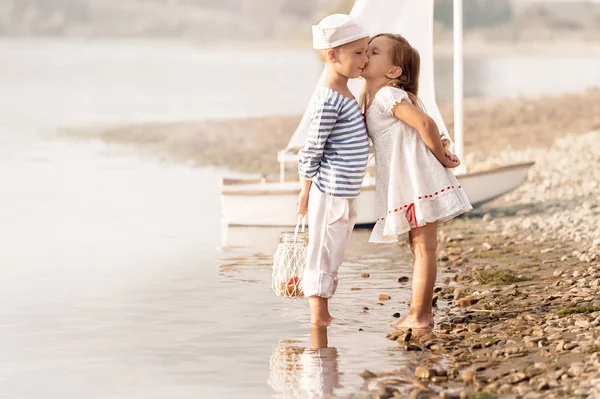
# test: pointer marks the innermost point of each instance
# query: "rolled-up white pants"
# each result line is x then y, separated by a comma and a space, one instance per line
330, 224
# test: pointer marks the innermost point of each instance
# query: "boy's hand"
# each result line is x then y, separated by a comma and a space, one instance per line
302, 203
452, 160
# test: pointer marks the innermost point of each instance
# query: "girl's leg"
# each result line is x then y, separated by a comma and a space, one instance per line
424, 245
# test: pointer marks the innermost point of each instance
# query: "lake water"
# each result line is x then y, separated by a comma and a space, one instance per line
117, 279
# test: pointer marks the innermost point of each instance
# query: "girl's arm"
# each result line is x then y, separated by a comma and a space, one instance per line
426, 127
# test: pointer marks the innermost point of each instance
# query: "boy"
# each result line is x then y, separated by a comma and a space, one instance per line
333, 161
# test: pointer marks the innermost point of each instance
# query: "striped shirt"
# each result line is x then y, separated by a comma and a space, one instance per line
336, 152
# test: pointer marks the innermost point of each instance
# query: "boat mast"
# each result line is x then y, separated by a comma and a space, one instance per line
458, 83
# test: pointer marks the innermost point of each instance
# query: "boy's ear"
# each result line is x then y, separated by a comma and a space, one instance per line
332, 55
394, 73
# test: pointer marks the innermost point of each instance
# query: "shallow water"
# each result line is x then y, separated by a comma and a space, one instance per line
116, 277
113, 280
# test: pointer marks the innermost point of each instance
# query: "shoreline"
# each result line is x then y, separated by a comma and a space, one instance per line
492, 127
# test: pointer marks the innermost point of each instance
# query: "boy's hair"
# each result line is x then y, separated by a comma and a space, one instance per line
406, 57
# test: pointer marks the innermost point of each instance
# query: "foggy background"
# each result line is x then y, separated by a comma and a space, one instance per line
267, 20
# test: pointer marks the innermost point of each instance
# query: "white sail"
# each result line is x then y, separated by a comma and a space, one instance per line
413, 19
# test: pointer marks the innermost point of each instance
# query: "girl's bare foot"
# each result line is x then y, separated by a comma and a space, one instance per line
417, 324
402, 319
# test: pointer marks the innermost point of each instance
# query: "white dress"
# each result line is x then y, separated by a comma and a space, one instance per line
412, 187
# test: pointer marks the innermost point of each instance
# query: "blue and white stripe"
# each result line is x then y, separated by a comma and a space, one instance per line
336, 152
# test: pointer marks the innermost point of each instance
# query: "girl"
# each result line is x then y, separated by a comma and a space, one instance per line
415, 191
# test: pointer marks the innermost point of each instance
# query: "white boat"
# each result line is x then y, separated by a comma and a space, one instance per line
271, 202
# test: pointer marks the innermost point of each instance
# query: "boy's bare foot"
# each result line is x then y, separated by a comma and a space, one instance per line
319, 311
321, 322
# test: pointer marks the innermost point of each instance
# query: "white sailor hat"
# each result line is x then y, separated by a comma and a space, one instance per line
336, 30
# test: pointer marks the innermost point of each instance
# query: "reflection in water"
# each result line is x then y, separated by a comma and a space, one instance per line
320, 375
311, 372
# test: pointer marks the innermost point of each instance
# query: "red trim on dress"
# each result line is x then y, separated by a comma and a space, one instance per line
411, 214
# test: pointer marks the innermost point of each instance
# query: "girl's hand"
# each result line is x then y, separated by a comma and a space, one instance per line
302, 203
452, 160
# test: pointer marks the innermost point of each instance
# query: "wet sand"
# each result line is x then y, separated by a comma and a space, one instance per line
251, 145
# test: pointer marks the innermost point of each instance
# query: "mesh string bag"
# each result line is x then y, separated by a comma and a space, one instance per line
289, 262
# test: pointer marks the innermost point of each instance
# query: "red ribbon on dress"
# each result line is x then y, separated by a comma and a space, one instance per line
411, 215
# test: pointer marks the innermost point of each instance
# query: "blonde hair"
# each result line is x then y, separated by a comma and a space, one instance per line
406, 57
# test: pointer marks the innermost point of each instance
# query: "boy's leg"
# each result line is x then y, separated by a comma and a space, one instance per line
424, 274
328, 221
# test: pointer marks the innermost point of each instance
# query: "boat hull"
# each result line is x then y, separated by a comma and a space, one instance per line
252, 203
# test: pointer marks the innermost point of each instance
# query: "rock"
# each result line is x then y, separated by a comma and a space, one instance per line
517, 377
394, 335
368, 375
411, 347
543, 385
365, 275
558, 273
532, 317
449, 395
513, 350
365, 308
486, 246
455, 238
387, 393
427, 337
466, 301
576, 370
394, 381
424, 373
467, 375
474, 328
455, 251
355, 289
403, 279
384, 297
571, 345
420, 394
582, 324
396, 315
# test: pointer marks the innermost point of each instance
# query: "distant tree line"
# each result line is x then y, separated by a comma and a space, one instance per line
476, 13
